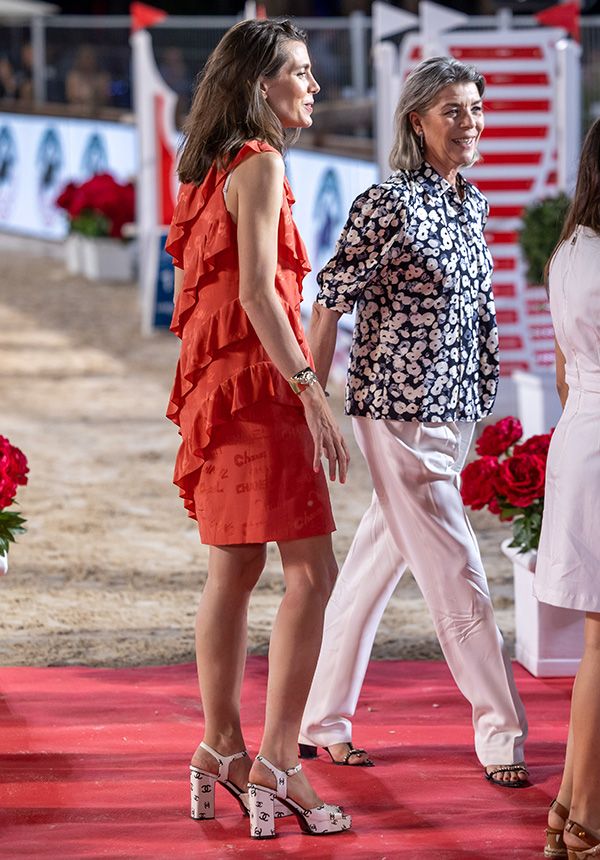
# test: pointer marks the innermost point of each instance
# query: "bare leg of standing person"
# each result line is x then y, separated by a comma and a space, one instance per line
558, 818
221, 634
310, 570
585, 725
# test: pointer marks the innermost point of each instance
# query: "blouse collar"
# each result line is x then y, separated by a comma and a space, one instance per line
436, 185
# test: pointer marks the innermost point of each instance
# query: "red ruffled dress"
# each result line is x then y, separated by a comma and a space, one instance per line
244, 468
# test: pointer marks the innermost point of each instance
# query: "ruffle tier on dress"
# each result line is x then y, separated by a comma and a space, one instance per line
223, 366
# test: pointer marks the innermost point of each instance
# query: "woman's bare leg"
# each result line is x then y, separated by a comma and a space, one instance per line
565, 792
585, 721
221, 634
310, 570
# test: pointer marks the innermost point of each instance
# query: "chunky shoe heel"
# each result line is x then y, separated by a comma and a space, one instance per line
318, 821
262, 812
202, 789
202, 785
307, 751
555, 844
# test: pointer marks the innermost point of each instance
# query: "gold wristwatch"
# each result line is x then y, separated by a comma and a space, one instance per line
300, 381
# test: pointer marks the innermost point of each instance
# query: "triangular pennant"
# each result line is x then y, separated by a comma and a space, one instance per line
436, 19
565, 15
389, 21
144, 16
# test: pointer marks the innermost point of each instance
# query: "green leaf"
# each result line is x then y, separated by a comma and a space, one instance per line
509, 510
11, 524
526, 529
91, 223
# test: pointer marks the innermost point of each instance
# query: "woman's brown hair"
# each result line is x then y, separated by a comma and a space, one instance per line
585, 208
228, 108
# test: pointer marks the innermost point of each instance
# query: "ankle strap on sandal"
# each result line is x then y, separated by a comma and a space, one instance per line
280, 775
583, 834
559, 809
224, 760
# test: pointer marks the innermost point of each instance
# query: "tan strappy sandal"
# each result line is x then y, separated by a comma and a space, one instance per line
555, 844
585, 836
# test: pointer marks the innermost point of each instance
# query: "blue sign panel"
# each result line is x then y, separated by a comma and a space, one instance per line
163, 295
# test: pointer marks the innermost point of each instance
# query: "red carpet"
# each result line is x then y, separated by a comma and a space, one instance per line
94, 764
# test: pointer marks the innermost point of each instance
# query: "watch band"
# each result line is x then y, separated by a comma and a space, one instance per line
300, 381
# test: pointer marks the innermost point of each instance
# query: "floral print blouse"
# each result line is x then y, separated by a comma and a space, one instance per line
413, 260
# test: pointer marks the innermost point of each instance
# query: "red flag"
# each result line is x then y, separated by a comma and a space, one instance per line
564, 15
144, 16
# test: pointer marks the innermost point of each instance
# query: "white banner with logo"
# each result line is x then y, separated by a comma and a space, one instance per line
39, 155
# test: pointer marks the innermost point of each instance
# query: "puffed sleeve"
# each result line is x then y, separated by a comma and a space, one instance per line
374, 226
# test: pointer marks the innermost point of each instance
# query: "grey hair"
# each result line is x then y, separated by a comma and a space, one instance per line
419, 92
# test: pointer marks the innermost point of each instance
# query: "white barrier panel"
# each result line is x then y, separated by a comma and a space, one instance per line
39, 155
325, 187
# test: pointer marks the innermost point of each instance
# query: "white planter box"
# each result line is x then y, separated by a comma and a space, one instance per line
538, 405
3, 563
549, 639
107, 259
73, 250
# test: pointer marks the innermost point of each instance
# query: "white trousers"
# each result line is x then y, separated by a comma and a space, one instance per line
416, 519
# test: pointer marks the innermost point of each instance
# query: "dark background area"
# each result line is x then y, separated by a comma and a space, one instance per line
307, 7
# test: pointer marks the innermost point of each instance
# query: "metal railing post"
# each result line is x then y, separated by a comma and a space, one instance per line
38, 49
358, 24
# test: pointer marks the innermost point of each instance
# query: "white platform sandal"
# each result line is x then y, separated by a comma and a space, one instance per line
319, 821
202, 787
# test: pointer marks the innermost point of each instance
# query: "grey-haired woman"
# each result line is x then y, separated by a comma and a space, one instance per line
413, 262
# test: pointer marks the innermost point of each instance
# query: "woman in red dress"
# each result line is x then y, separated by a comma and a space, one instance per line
253, 418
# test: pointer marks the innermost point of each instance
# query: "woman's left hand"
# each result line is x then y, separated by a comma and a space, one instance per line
327, 436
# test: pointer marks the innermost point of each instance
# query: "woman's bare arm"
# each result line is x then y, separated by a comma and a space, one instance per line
258, 186
257, 189
322, 336
561, 384
178, 282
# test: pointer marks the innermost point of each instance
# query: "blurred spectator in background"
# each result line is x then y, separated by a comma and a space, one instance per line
175, 72
24, 73
8, 82
86, 84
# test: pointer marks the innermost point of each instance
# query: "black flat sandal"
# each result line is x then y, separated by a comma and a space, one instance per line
310, 751
508, 768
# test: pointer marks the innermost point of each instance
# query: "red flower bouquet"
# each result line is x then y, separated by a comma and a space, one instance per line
13, 472
99, 207
508, 479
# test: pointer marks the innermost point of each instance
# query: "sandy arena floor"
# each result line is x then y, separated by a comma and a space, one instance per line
110, 569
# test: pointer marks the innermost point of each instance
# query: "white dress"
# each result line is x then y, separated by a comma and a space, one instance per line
568, 564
